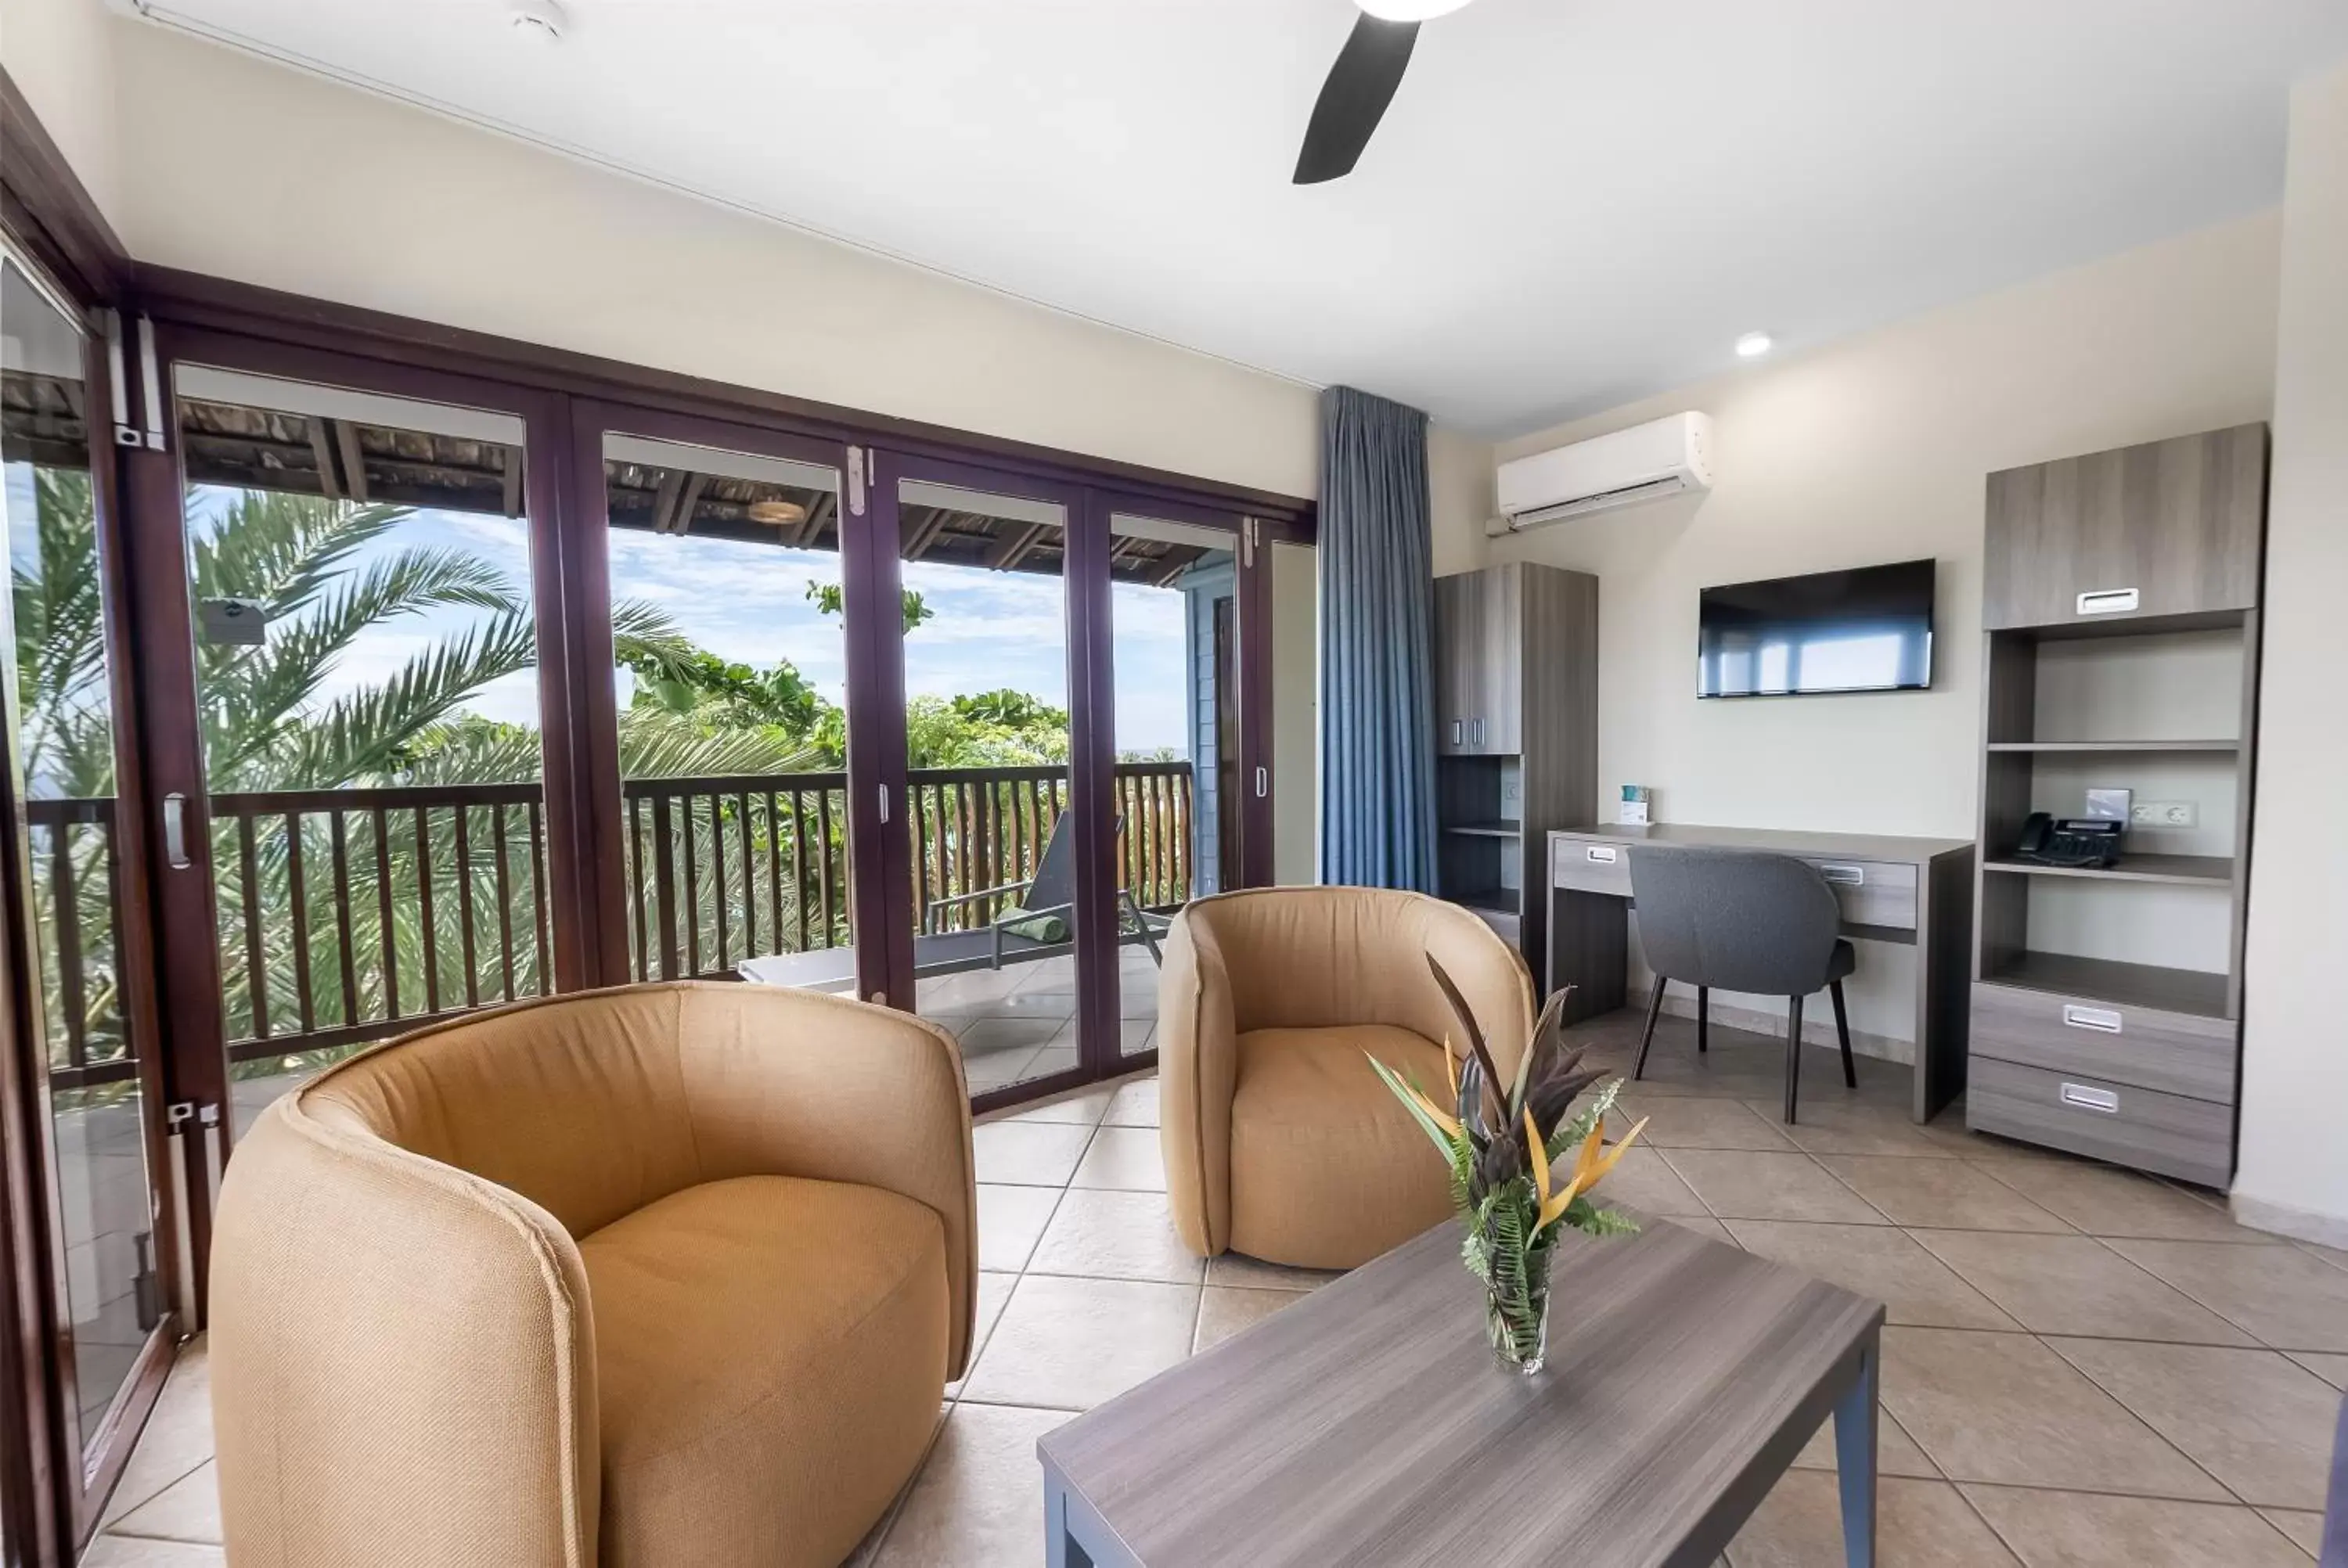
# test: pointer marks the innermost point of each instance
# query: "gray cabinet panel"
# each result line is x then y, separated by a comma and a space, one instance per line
2192, 1140
2176, 1053
1457, 649
2169, 528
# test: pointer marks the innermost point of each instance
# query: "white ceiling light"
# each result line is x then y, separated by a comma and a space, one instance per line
1409, 10
1752, 345
540, 19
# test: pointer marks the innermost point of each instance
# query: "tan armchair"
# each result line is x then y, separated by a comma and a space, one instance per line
1280, 1142
660, 1275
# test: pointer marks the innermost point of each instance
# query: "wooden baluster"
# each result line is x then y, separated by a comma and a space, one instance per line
775, 868
301, 903
823, 850
505, 903
941, 881
664, 886
462, 816
388, 932
72, 998
798, 870
919, 828
749, 878
344, 940
692, 893
424, 912
541, 907
639, 957
717, 876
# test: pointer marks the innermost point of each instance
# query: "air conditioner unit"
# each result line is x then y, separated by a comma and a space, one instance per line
1645, 463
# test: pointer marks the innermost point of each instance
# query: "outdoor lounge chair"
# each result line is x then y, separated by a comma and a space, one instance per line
1046, 898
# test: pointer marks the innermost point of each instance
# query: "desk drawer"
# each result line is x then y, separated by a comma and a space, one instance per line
1587, 867
1872, 892
2192, 1140
2176, 1053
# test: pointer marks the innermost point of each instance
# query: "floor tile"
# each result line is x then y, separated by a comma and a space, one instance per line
1879, 1262
1107, 1234
2330, 1255
178, 1436
1235, 1268
2078, 1531
1710, 1230
1136, 1104
1738, 1185
1029, 1154
1085, 1106
2289, 1300
1699, 1122
2002, 1408
1920, 1522
1896, 1453
1941, 1195
1010, 1221
1824, 1126
2103, 1201
133, 1551
2258, 1422
2305, 1530
186, 1510
2332, 1369
994, 1290
1224, 1311
979, 1501
999, 1069
1645, 1183
1126, 1157
2075, 1284
1069, 1343
987, 1035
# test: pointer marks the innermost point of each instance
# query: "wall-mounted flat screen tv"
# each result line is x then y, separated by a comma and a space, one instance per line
1866, 629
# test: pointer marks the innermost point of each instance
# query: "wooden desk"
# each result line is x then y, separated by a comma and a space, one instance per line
1369, 1423
1916, 892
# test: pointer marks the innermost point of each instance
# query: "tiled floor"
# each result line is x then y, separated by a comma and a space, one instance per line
2084, 1367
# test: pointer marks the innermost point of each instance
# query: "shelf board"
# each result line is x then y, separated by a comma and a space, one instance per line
2195, 991
1496, 900
2189, 870
2116, 745
1486, 829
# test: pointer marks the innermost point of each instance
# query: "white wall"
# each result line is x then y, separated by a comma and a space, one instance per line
2294, 1154
1875, 449
60, 54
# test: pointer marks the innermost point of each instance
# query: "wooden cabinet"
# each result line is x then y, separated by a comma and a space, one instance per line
1516, 740
2168, 528
1479, 642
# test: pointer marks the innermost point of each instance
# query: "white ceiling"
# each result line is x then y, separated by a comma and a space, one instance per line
1571, 204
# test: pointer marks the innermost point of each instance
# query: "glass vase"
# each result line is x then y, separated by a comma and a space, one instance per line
1516, 1315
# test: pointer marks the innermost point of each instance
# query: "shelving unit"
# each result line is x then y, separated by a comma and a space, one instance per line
2106, 1002
1516, 680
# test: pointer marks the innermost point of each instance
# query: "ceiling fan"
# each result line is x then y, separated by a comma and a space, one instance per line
1361, 83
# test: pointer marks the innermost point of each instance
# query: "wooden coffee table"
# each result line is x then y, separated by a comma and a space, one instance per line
1370, 1424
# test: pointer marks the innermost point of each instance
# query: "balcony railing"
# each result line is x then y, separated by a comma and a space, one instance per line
347, 916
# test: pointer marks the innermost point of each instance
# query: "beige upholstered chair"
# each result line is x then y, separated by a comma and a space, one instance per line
670, 1275
1280, 1142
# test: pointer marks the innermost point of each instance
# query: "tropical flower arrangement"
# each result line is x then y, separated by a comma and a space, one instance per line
1521, 1167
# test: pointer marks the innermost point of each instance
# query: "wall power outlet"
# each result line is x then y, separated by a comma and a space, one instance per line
2164, 814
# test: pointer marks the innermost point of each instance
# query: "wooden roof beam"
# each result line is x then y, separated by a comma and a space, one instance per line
664, 495
513, 472
811, 527
321, 447
1008, 552
346, 444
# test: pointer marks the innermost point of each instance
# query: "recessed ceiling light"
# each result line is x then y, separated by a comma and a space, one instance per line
1409, 10
540, 19
1752, 345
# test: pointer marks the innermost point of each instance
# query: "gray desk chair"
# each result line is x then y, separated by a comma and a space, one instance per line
1743, 921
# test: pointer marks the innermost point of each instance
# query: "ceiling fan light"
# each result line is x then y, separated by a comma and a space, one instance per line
775, 513
1409, 10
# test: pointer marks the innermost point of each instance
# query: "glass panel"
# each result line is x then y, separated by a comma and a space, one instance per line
63, 757
366, 673
1173, 607
728, 622
987, 718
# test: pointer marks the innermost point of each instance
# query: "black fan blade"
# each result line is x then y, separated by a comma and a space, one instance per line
1360, 86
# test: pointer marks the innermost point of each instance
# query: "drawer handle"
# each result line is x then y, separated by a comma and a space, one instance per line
1849, 876
1604, 854
2103, 1021
2107, 601
2086, 1097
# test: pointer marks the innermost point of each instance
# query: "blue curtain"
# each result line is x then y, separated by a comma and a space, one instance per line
1378, 698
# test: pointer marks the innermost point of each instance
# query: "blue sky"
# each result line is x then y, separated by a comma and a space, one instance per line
748, 603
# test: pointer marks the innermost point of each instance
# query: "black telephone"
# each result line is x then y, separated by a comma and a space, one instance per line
2076, 842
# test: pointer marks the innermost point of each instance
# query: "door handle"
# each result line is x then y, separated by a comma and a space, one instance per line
2088, 1098
884, 803
175, 832
2108, 602
1479, 731
1849, 876
1263, 782
1458, 728
2103, 1021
